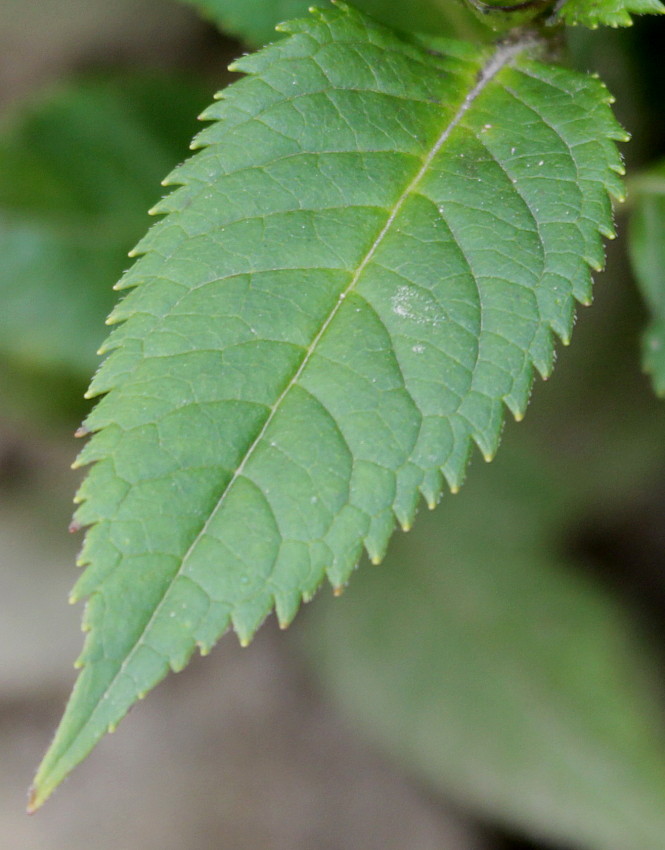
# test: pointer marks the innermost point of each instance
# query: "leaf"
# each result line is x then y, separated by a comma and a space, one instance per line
647, 254
78, 167
255, 20
500, 673
613, 13
361, 267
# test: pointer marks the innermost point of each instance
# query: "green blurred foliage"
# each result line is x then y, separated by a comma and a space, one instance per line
614, 13
79, 167
647, 252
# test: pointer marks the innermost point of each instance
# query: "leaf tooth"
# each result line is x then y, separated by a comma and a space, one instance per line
100, 445
162, 207
343, 561
620, 134
583, 293
489, 454
432, 487
380, 529
405, 503
127, 281
405, 518
287, 606
114, 340
110, 374
518, 398
488, 437
242, 65
87, 623
542, 352
608, 231
247, 617
615, 165
454, 473
178, 662
594, 256
203, 648
616, 186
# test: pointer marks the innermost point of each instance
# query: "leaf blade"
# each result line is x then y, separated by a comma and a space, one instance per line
319, 423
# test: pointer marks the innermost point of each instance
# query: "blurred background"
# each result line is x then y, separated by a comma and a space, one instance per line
495, 685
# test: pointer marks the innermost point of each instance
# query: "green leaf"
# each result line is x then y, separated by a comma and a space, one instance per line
613, 13
499, 672
254, 21
362, 265
78, 168
647, 254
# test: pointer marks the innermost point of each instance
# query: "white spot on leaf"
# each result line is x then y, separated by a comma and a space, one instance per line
417, 306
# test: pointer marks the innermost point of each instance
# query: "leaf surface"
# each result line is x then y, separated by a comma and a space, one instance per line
613, 13
499, 672
361, 267
647, 254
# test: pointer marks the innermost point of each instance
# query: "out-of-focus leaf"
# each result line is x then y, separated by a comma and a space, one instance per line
647, 254
79, 168
498, 672
613, 13
254, 21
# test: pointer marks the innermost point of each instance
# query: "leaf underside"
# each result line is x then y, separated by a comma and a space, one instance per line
254, 21
647, 254
362, 265
613, 13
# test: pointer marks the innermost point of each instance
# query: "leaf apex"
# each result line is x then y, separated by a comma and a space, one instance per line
34, 802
